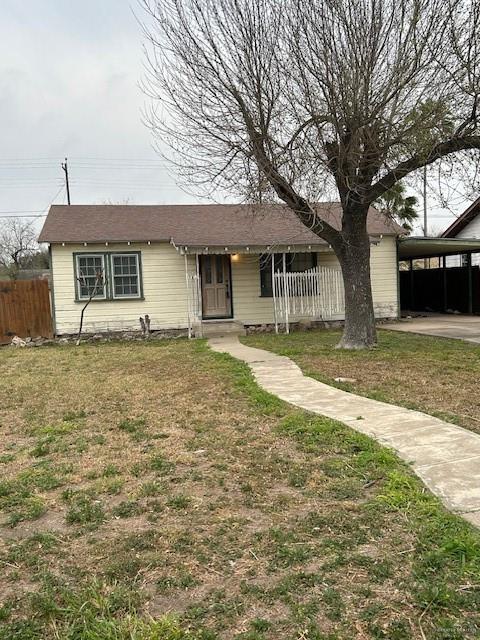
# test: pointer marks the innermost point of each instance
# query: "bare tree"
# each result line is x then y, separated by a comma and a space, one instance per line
302, 101
18, 241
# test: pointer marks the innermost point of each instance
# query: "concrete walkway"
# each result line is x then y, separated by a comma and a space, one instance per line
446, 457
460, 327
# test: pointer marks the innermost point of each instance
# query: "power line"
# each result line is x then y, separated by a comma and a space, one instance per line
11, 214
23, 211
41, 215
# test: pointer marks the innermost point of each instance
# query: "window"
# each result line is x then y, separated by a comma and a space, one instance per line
90, 274
125, 272
293, 262
109, 275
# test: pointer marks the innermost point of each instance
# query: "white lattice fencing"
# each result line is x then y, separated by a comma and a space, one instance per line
316, 294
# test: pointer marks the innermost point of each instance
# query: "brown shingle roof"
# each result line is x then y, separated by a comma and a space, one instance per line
194, 225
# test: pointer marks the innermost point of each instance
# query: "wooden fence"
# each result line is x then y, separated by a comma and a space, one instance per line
25, 310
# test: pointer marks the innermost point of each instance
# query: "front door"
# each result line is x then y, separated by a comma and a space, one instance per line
216, 286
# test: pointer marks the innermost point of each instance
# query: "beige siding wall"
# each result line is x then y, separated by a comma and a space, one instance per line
164, 290
248, 306
383, 265
384, 270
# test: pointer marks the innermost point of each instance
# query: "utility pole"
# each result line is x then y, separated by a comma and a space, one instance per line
67, 184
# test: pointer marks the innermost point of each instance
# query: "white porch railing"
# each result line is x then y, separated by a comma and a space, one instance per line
194, 303
316, 294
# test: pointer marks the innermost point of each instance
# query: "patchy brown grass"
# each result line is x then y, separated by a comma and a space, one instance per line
155, 478
435, 375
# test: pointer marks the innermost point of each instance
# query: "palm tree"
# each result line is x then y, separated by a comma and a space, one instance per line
399, 206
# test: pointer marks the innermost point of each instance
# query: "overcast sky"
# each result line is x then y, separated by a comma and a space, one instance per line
69, 74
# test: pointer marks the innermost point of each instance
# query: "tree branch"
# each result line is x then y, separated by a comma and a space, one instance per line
417, 161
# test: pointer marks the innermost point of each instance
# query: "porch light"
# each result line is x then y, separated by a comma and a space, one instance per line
235, 257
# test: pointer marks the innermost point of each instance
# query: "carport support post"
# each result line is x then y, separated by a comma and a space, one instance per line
470, 283
412, 286
444, 275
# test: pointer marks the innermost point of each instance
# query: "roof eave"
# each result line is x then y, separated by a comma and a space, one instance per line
462, 221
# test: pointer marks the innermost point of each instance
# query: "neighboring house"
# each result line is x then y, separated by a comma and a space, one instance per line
185, 265
466, 226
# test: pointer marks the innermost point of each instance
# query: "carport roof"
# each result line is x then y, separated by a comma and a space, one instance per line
420, 247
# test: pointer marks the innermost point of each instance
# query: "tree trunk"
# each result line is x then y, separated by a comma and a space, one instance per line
354, 257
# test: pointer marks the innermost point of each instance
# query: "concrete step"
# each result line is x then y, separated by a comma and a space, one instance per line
219, 328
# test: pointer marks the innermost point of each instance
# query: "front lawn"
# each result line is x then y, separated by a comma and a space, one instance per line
435, 375
151, 491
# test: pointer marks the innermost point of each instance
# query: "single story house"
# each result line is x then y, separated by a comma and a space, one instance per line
188, 266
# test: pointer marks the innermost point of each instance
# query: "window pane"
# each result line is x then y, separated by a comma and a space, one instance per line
302, 261
207, 269
219, 265
125, 276
266, 275
91, 276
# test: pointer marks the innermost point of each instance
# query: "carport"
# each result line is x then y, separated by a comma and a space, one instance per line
429, 282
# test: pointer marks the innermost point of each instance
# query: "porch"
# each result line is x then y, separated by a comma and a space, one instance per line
275, 286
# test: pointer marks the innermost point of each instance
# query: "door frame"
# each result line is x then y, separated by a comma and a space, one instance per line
228, 259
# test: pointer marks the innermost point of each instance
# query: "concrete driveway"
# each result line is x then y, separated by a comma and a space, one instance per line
461, 327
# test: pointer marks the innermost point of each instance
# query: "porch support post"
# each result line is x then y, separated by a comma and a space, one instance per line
470, 283
274, 295
285, 291
189, 298
199, 295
